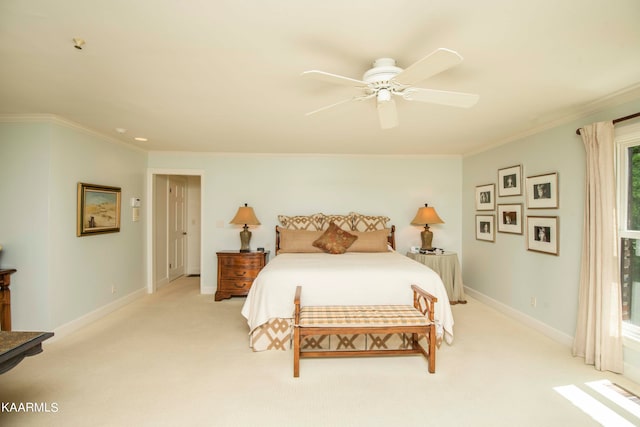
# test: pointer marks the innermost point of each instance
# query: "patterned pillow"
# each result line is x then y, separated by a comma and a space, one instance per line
335, 240
368, 222
302, 222
343, 221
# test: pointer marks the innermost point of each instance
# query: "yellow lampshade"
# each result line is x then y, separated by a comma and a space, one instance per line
245, 216
426, 215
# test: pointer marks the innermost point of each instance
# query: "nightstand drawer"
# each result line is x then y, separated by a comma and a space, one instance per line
247, 262
236, 285
239, 273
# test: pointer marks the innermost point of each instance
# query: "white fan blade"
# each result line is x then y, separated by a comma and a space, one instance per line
387, 114
442, 97
326, 107
432, 64
333, 78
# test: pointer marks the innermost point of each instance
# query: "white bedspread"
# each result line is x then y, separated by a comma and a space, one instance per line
348, 279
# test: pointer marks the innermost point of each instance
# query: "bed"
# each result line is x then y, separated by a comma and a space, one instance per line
368, 272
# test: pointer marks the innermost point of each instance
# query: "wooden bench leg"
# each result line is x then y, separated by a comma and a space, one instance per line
296, 351
296, 333
432, 348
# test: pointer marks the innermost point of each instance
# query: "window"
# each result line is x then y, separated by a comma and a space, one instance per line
628, 145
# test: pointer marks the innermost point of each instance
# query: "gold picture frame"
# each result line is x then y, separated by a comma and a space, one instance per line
98, 209
542, 191
543, 234
509, 181
486, 197
510, 218
485, 228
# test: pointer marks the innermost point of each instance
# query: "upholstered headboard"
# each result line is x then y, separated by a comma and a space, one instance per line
300, 230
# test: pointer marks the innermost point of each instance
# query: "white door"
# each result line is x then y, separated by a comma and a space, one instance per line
177, 226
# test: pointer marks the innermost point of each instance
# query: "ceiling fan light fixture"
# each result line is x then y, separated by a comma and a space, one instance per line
384, 95
386, 80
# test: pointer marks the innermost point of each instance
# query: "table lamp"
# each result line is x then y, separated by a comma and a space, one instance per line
245, 216
426, 216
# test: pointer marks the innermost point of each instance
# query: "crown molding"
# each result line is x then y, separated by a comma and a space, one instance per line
613, 100
58, 120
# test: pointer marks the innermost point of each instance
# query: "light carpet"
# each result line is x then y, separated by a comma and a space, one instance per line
177, 358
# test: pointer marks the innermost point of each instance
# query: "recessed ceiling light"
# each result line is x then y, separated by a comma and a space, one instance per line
141, 139
121, 130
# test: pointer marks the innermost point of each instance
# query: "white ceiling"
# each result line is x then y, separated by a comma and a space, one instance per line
224, 76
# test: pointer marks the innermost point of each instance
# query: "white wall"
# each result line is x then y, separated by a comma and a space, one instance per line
193, 225
24, 219
160, 230
505, 271
305, 184
62, 277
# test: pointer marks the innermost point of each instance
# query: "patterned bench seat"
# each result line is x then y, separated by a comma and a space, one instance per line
416, 321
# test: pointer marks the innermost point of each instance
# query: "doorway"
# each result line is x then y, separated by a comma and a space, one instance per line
177, 225
174, 226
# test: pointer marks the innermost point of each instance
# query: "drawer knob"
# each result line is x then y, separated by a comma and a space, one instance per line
240, 273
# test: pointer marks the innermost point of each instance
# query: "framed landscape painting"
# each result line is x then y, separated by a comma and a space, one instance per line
98, 209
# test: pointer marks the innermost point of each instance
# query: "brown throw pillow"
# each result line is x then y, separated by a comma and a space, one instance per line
298, 241
370, 241
335, 240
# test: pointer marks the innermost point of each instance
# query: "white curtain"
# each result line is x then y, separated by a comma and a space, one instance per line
598, 333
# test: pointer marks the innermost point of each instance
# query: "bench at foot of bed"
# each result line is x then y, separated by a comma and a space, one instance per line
415, 321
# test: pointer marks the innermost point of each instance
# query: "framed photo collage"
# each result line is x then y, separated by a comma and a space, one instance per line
503, 216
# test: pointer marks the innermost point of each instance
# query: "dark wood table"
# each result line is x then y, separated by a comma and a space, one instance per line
5, 298
15, 346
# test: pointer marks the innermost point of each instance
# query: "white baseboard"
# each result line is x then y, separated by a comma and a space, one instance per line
207, 290
543, 328
632, 372
91, 317
162, 282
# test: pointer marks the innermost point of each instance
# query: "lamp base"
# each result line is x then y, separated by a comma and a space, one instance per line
427, 238
245, 238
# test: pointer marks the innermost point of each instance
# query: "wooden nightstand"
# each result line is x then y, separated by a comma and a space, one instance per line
237, 271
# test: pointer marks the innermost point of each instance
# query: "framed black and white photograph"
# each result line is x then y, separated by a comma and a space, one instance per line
510, 218
486, 197
542, 234
542, 191
485, 228
509, 181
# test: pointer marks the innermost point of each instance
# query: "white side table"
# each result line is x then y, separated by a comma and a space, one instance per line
448, 268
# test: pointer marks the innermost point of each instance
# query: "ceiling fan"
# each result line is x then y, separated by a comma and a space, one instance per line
386, 80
